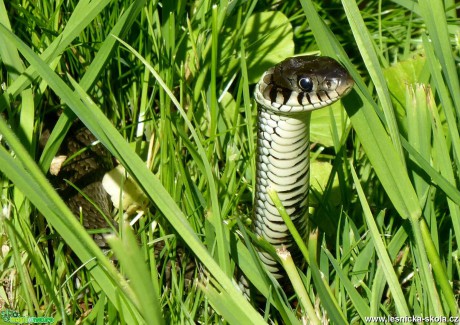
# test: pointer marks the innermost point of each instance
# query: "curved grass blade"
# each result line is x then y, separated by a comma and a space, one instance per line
387, 266
101, 127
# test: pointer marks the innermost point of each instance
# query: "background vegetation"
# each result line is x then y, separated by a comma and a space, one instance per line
177, 77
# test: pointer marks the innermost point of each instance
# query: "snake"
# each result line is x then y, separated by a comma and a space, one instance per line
286, 95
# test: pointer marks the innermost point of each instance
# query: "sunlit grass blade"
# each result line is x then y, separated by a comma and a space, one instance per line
375, 141
132, 261
436, 21
99, 125
28, 178
419, 135
383, 157
290, 225
82, 16
387, 266
359, 302
226, 306
8, 52
367, 49
214, 214
253, 268
418, 105
394, 248
438, 270
97, 65
294, 277
451, 191
328, 301
448, 109
441, 157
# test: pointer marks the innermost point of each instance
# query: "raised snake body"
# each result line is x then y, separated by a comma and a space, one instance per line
287, 93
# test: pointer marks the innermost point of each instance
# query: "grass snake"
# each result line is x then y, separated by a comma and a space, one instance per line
286, 95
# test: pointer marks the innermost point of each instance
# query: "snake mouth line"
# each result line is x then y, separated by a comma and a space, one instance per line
303, 83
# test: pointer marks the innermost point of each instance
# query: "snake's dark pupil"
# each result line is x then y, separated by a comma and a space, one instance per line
306, 84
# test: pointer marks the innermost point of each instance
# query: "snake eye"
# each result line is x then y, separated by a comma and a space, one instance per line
306, 84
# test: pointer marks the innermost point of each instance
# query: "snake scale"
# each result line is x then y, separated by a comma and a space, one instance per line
286, 95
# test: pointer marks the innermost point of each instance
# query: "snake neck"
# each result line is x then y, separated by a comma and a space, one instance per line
283, 150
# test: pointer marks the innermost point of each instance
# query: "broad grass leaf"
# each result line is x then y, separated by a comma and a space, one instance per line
268, 39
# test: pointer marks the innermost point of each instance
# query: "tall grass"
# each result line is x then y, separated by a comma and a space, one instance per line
177, 77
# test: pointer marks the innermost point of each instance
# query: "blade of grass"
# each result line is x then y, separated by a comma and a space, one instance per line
360, 304
214, 216
132, 261
438, 269
448, 110
451, 191
122, 26
328, 301
29, 179
377, 290
290, 225
83, 14
251, 265
442, 158
434, 17
419, 135
100, 126
444, 95
370, 59
221, 301
363, 114
296, 281
8, 53
387, 266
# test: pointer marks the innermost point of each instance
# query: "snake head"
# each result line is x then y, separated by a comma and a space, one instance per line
303, 83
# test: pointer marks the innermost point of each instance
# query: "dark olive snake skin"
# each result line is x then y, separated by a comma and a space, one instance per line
87, 163
286, 94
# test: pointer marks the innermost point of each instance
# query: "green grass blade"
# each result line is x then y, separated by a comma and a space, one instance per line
97, 65
387, 265
433, 13
361, 305
221, 301
294, 277
438, 270
8, 52
214, 215
382, 155
99, 125
132, 261
83, 14
451, 191
28, 178
374, 139
328, 301
444, 95
370, 59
